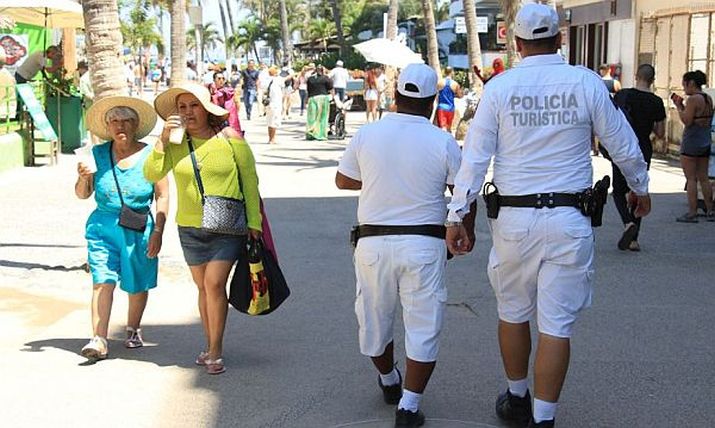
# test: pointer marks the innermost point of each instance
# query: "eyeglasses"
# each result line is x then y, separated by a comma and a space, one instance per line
220, 78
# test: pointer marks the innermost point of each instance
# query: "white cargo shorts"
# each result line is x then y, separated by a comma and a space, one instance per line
408, 268
542, 263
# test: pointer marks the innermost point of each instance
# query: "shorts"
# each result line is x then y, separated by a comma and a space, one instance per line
200, 246
695, 152
408, 269
541, 263
445, 118
371, 95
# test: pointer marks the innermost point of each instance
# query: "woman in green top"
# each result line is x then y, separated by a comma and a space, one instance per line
223, 158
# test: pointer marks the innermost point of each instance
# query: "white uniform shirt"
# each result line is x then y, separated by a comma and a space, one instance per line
404, 163
536, 121
32, 64
275, 93
340, 77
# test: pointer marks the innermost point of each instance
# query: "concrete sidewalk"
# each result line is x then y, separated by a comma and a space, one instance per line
642, 355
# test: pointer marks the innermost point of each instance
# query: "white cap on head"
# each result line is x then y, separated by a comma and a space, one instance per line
417, 81
339, 63
536, 21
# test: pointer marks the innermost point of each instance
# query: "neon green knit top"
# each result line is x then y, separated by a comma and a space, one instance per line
217, 158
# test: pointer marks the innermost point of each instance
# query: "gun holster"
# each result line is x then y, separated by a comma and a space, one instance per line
490, 193
354, 236
593, 200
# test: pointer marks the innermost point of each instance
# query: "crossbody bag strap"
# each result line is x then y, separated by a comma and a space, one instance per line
196, 169
114, 173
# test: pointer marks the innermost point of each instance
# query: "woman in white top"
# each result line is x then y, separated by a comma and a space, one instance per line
274, 109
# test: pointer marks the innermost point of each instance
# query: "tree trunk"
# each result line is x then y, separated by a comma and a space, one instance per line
474, 49
285, 35
104, 44
230, 16
509, 9
224, 25
178, 41
338, 26
392, 11
432, 46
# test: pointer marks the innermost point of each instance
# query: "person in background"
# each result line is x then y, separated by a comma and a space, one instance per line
289, 83
448, 90
646, 115
497, 69
235, 77
262, 86
340, 77
139, 77
48, 61
224, 96
384, 89
224, 159
613, 85
117, 254
190, 73
320, 89
274, 109
305, 73
156, 77
695, 146
249, 78
371, 95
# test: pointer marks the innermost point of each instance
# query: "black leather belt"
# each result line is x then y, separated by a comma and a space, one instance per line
541, 200
434, 230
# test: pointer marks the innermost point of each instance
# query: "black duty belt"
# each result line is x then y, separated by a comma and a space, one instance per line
436, 231
541, 200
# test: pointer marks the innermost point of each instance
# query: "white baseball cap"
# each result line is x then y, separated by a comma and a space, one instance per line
417, 81
536, 21
339, 63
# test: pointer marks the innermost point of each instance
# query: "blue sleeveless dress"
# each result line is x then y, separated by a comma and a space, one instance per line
115, 254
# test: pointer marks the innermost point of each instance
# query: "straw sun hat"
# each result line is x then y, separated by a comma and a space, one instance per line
97, 113
165, 103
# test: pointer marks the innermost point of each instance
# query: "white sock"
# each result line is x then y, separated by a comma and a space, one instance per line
544, 410
391, 378
410, 400
518, 387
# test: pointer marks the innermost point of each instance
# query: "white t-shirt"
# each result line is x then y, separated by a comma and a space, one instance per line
275, 92
263, 79
405, 164
381, 82
340, 77
32, 65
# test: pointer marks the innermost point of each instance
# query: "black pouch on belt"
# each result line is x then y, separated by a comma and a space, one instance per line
130, 219
354, 236
599, 196
490, 193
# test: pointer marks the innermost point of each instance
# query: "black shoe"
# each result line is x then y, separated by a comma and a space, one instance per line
629, 234
405, 418
391, 393
542, 424
512, 408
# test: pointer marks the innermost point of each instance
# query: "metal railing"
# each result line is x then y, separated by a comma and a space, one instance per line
8, 105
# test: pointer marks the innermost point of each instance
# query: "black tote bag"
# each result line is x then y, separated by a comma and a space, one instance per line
258, 286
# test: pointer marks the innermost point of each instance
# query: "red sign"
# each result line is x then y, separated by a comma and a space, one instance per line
501, 32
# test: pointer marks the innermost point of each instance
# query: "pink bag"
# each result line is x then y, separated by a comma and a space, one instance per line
267, 235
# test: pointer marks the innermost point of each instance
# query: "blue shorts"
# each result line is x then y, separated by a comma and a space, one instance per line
118, 255
201, 247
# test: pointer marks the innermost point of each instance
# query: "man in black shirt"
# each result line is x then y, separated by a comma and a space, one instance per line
249, 76
320, 90
645, 113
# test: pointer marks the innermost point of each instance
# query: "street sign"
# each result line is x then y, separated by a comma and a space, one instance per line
195, 15
460, 27
501, 32
482, 24
38, 114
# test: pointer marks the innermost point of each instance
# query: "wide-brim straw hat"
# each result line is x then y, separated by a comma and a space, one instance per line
97, 113
165, 103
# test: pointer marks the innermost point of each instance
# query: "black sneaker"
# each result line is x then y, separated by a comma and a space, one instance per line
391, 393
512, 408
629, 234
542, 424
405, 418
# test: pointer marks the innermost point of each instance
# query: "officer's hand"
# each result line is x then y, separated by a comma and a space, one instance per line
457, 240
642, 205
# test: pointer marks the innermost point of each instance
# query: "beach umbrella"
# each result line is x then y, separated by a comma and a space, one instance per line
388, 52
44, 13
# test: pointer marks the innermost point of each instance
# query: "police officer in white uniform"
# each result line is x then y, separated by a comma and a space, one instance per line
536, 121
402, 165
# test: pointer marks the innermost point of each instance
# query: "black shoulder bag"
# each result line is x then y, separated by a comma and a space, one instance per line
220, 214
128, 218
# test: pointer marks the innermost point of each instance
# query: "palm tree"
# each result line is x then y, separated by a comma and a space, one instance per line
104, 43
321, 30
224, 24
252, 30
230, 15
209, 36
178, 41
474, 49
432, 46
392, 10
285, 34
509, 9
338, 26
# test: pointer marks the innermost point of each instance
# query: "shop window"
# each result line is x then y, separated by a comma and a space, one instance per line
700, 43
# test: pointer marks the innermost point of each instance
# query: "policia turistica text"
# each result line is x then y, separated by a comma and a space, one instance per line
536, 121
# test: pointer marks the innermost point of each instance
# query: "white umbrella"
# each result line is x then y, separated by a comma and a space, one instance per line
44, 13
388, 52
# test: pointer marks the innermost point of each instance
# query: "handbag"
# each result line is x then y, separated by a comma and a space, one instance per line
267, 96
258, 286
128, 218
220, 214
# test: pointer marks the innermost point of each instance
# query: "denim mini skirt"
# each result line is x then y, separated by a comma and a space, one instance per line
200, 246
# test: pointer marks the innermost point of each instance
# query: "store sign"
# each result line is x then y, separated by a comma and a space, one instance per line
16, 49
36, 111
501, 32
482, 24
460, 25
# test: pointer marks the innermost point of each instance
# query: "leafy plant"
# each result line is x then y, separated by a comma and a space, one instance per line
59, 82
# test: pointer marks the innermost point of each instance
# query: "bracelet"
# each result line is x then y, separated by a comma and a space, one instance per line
158, 230
452, 223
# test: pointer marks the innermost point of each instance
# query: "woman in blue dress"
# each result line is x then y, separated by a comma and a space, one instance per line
121, 252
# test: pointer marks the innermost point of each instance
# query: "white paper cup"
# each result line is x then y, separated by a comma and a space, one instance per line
84, 155
176, 135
